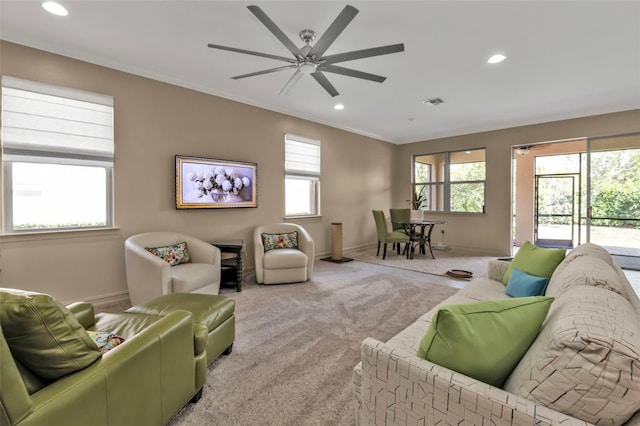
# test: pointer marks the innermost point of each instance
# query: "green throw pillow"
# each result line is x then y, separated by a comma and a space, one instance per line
484, 340
534, 260
43, 335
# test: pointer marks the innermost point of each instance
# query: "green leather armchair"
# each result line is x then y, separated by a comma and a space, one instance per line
145, 380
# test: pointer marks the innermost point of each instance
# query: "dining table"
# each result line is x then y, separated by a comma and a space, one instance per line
419, 232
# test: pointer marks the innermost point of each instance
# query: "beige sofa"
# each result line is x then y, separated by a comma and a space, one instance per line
583, 368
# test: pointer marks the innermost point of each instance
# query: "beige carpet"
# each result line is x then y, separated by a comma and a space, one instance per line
444, 261
296, 345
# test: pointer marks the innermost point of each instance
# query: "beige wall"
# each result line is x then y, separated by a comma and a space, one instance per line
154, 122
490, 232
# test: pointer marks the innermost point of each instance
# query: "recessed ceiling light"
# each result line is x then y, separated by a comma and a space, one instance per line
338, 106
55, 8
496, 59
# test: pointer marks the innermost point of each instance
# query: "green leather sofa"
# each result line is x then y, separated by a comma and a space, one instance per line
146, 380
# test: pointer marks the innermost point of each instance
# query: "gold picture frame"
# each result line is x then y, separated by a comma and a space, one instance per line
209, 183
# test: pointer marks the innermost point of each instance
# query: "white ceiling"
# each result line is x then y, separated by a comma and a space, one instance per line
565, 59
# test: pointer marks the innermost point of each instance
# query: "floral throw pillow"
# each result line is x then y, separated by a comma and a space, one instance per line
280, 241
173, 255
105, 341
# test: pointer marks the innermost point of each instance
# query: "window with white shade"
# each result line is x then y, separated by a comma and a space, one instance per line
302, 176
57, 157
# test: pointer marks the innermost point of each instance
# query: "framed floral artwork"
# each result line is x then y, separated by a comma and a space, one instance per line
208, 183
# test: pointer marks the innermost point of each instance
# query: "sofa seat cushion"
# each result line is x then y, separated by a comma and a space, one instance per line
586, 359
284, 259
123, 324
585, 271
188, 277
207, 309
43, 335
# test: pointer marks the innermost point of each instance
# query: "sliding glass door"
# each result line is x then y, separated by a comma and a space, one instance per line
613, 196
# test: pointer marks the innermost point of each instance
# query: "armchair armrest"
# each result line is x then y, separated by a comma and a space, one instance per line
84, 313
145, 380
397, 384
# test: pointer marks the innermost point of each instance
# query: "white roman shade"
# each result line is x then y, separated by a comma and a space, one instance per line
51, 124
302, 156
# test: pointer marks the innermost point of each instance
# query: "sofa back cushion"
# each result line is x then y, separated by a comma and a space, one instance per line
586, 359
44, 335
584, 271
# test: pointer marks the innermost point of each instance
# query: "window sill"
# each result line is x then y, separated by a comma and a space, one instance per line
57, 234
311, 216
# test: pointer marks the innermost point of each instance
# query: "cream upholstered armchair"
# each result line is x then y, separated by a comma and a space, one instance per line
279, 263
149, 275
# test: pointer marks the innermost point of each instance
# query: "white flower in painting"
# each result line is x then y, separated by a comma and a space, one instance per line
209, 173
207, 185
192, 176
246, 181
226, 186
229, 172
198, 185
237, 183
220, 178
200, 175
217, 170
200, 194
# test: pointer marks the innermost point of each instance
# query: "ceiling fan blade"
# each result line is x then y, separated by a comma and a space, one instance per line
352, 73
324, 82
365, 53
334, 30
292, 82
250, 52
271, 26
237, 77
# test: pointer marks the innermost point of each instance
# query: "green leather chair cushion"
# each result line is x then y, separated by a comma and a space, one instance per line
43, 335
208, 309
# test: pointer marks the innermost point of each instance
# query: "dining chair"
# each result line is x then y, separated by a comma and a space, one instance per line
397, 217
385, 237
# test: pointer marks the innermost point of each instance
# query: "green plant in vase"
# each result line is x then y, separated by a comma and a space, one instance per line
418, 200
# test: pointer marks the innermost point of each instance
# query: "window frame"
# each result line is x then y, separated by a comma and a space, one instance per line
311, 176
446, 183
101, 157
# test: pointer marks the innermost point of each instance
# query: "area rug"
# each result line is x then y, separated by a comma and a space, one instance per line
296, 345
444, 261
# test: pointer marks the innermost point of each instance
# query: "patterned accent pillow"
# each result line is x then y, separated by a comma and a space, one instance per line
280, 241
105, 340
173, 255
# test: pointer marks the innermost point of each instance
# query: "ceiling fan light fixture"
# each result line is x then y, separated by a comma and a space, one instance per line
523, 150
307, 67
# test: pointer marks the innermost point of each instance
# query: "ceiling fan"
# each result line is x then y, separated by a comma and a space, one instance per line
309, 59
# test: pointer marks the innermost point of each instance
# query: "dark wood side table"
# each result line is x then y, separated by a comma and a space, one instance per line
231, 259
